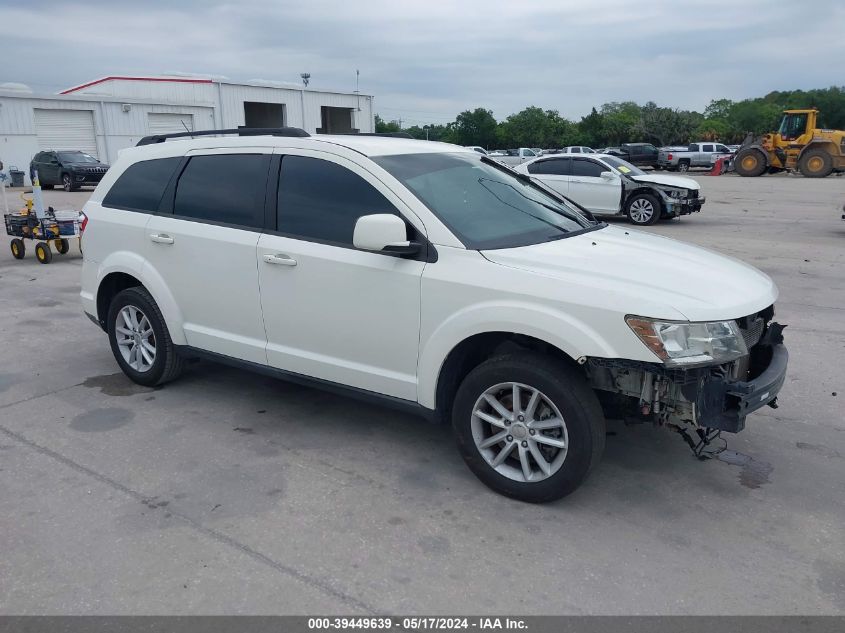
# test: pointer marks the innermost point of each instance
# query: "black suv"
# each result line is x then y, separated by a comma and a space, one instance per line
643, 154
68, 169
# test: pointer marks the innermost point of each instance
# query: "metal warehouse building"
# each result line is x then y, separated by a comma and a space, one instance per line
106, 115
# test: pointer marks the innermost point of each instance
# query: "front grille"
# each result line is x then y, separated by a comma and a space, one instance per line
754, 326
752, 334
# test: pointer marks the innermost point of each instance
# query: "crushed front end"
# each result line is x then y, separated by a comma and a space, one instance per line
700, 401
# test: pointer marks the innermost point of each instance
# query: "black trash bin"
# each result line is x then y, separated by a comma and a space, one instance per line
17, 177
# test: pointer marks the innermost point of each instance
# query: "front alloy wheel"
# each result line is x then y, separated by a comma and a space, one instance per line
519, 431
528, 425
67, 182
643, 209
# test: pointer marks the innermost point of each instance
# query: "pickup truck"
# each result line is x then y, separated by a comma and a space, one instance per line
636, 153
696, 155
514, 156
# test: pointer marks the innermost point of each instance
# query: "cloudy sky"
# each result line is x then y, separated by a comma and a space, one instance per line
426, 60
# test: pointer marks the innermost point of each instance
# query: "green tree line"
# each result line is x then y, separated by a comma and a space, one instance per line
621, 122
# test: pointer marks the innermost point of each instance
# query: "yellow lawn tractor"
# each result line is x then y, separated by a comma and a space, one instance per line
798, 144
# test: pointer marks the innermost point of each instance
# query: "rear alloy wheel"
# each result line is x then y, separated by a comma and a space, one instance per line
683, 165
528, 426
816, 163
643, 209
67, 182
139, 338
750, 162
18, 248
43, 253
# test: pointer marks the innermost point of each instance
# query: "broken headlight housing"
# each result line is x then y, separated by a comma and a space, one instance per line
685, 344
677, 194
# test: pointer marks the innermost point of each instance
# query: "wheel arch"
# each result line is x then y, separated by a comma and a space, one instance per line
474, 350
831, 148
639, 190
448, 353
121, 274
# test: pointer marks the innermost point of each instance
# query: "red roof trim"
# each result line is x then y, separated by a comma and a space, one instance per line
174, 79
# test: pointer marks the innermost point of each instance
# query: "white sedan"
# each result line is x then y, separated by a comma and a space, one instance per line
609, 186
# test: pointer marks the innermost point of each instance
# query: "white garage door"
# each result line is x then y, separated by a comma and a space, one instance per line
66, 129
167, 123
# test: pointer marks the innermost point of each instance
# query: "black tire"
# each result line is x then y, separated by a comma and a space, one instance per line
816, 163
567, 388
683, 165
750, 162
167, 364
62, 246
18, 248
636, 209
43, 253
67, 182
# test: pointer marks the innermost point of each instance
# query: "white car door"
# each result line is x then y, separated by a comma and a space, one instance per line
590, 190
203, 243
552, 172
331, 311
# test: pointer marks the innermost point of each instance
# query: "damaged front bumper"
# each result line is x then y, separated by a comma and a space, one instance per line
673, 207
724, 404
715, 397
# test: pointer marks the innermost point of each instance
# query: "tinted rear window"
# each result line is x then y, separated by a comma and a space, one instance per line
224, 188
584, 167
141, 187
553, 167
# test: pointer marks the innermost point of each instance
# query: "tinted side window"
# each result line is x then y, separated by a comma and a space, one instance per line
141, 186
706, 148
554, 167
320, 200
224, 188
585, 167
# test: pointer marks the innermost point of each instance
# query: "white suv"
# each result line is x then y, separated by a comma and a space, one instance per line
431, 278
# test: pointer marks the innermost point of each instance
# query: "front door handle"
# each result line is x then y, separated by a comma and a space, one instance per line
280, 259
161, 238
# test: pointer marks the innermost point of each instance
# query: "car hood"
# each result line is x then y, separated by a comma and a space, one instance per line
669, 181
647, 274
83, 165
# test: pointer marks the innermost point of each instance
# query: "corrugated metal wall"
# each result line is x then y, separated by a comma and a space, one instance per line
210, 105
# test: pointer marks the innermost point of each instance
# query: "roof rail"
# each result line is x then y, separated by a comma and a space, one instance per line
241, 131
388, 134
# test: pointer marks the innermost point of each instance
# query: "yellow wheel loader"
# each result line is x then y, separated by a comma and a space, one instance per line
797, 145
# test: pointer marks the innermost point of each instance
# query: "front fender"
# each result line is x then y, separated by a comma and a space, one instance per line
135, 265
569, 335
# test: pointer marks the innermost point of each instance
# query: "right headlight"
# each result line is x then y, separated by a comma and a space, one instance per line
685, 344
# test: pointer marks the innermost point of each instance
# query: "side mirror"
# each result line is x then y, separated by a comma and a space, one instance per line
607, 175
383, 233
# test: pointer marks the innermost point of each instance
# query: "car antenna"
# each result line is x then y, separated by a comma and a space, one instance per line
182, 121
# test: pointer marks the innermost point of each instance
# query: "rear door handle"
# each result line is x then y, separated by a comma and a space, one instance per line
161, 238
280, 259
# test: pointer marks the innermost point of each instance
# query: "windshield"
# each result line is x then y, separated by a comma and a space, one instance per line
485, 205
76, 157
623, 166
